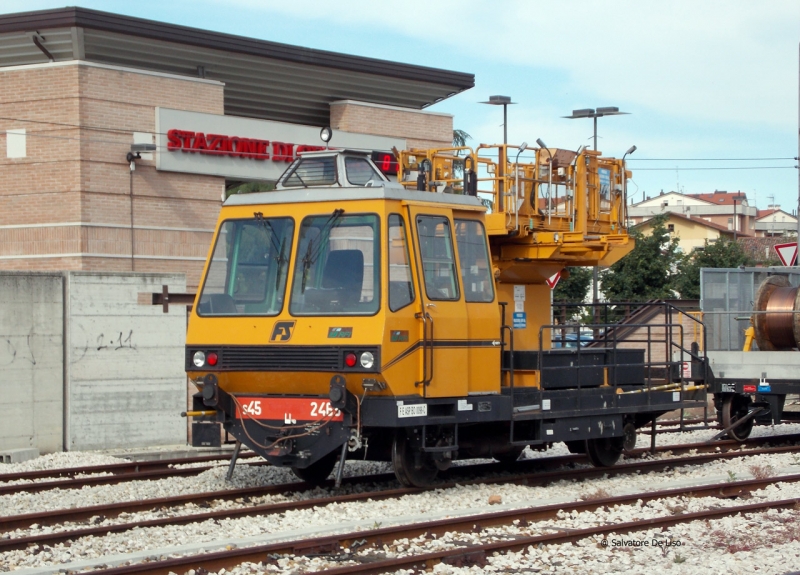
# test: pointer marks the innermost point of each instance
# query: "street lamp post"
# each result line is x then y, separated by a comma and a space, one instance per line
522, 147
544, 147
594, 114
624, 222
504, 101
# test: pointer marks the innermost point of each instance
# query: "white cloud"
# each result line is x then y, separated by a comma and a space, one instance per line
712, 59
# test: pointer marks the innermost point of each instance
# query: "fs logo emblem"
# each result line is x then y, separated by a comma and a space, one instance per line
282, 331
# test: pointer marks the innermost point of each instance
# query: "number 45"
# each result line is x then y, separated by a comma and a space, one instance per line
253, 408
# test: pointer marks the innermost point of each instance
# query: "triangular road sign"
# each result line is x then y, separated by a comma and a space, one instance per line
787, 253
552, 281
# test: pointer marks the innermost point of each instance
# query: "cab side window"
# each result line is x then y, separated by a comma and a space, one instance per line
438, 262
359, 171
401, 290
473, 258
313, 172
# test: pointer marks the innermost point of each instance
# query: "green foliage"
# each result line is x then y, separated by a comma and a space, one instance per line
646, 272
249, 188
574, 288
460, 138
723, 253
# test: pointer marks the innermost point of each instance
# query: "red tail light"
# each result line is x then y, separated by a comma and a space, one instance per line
211, 358
350, 360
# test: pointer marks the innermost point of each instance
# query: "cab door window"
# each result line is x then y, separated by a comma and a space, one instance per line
473, 259
401, 289
438, 262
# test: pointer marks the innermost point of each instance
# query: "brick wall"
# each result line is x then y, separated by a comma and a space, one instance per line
80, 124
79, 120
420, 129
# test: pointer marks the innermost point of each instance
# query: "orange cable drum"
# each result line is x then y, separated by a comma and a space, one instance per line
779, 321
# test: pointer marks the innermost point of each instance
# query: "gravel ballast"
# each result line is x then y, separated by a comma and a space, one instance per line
764, 543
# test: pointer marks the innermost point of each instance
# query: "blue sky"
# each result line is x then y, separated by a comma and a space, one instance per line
702, 79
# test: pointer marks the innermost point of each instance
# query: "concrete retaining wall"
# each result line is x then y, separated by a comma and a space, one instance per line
117, 380
126, 378
31, 361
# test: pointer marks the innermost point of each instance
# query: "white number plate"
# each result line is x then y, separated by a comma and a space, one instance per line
415, 410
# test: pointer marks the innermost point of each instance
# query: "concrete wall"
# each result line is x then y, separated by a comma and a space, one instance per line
31, 347
117, 380
126, 378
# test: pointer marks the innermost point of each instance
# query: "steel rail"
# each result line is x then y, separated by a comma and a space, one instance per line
530, 478
125, 466
131, 471
119, 477
334, 545
53, 517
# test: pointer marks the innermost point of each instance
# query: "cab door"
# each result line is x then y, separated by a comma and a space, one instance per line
483, 313
442, 315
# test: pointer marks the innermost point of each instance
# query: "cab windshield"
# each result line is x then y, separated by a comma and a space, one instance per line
337, 267
248, 270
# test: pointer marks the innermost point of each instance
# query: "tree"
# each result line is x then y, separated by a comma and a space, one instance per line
574, 287
723, 253
248, 187
460, 138
646, 272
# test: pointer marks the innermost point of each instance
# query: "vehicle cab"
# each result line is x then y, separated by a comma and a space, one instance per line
330, 307
342, 168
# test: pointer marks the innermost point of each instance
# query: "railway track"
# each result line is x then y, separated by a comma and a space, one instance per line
52, 517
79, 477
361, 549
532, 476
123, 467
153, 470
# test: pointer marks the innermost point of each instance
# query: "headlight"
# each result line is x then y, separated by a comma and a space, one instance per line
199, 359
367, 360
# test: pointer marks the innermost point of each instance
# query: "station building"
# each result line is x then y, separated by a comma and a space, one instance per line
119, 139
79, 88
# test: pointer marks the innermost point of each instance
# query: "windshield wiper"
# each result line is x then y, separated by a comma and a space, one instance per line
260, 219
296, 175
313, 253
279, 249
281, 259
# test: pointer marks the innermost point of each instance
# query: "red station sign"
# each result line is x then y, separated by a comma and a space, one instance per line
255, 149
234, 146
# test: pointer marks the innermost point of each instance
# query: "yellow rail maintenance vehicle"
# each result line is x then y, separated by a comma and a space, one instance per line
346, 315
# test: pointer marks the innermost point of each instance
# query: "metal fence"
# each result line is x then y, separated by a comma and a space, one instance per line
727, 298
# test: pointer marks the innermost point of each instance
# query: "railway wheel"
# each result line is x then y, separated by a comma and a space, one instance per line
628, 437
735, 407
412, 467
604, 451
318, 471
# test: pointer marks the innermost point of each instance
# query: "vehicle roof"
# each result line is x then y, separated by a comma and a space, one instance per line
333, 152
390, 191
